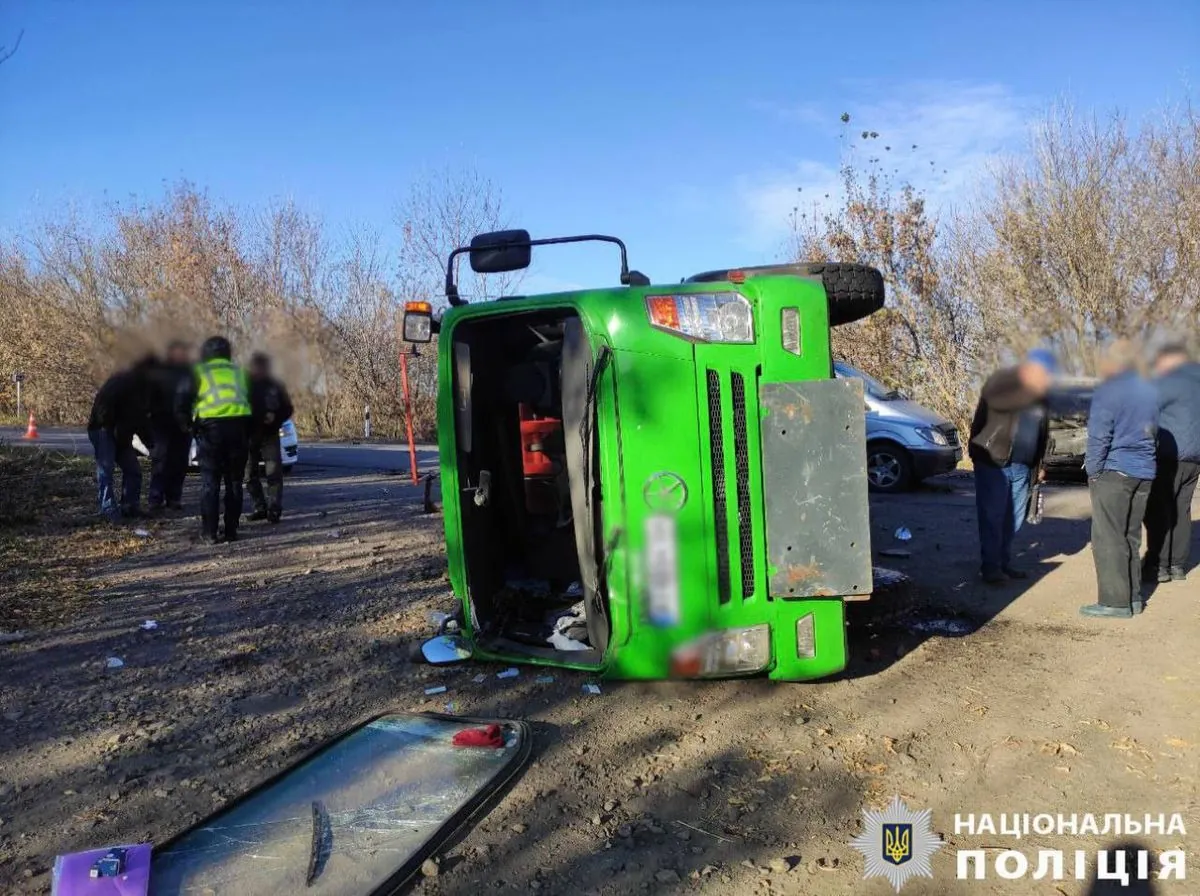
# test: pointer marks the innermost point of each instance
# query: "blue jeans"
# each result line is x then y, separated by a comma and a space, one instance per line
108, 458
1001, 502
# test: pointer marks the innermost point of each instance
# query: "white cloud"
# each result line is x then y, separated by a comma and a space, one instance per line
940, 136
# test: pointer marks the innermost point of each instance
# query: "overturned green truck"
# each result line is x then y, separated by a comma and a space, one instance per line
652, 481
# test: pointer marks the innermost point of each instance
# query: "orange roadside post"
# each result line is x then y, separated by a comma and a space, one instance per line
408, 423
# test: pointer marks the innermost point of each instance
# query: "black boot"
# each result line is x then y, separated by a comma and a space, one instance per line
260, 513
273, 514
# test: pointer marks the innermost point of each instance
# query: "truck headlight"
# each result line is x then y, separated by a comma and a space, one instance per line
706, 317
732, 651
933, 435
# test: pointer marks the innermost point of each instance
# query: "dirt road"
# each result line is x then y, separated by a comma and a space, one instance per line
268, 646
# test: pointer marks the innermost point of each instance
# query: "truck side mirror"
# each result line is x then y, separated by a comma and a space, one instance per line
417, 325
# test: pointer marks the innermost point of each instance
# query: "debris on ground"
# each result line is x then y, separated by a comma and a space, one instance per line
114, 662
903, 534
508, 673
148, 626
942, 626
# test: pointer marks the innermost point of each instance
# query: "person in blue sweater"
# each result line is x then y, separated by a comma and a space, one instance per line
1121, 464
1169, 513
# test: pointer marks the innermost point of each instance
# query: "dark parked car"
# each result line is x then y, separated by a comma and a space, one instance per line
1070, 401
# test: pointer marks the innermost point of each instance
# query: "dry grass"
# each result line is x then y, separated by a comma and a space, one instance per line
51, 537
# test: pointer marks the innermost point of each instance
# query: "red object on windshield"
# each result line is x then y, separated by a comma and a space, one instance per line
491, 736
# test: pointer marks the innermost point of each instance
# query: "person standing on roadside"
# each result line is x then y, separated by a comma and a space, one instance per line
271, 407
1008, 440
171, 445
1120, 464
120, 411
1169, 511
215, 403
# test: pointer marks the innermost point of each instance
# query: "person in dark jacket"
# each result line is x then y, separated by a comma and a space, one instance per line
120, 411
171, 445
1009, 435
271, 407
215, 404
1120, 464
1169, 511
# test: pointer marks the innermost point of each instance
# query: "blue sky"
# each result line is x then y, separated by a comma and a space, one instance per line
682, 126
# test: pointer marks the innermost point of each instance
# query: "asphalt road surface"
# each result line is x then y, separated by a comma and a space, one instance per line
374, 457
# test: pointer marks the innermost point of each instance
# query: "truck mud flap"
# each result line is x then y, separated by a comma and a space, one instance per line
356, 817
815, 483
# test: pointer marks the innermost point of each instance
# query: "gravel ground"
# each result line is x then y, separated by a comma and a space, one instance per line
269, 646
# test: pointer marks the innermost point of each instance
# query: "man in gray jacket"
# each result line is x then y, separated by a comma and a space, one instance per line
1169, 514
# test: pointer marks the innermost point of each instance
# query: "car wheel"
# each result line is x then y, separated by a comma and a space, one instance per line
889, 468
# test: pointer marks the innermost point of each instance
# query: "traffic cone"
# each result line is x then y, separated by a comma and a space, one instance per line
31, 432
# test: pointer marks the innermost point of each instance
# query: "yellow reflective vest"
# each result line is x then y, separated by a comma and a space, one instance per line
222, 390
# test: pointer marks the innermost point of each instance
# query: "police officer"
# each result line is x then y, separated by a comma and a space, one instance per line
215, 403
271, 407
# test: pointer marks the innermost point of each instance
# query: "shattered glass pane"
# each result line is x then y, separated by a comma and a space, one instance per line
343, 822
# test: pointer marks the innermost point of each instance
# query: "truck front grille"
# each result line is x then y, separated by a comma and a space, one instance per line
716, 431
737, 479
741, 456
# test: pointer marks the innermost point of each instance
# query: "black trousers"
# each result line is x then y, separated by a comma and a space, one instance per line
168, 465
267, 451
1118, 509
221, 449
1169, 516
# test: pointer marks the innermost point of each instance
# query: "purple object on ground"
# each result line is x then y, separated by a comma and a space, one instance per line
71, 873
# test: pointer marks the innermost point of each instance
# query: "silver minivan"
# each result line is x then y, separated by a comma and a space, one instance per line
906, 442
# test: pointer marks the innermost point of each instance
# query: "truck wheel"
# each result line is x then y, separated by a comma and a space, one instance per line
854, 290
889, 468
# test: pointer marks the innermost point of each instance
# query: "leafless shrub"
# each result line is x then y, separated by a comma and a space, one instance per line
84, 297
918, 342
1092, 233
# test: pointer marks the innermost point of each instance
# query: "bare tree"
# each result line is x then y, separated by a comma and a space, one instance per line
919, 341
442, 212
1093, 233
6, 53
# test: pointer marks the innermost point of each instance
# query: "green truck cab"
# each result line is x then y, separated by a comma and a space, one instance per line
652, 482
